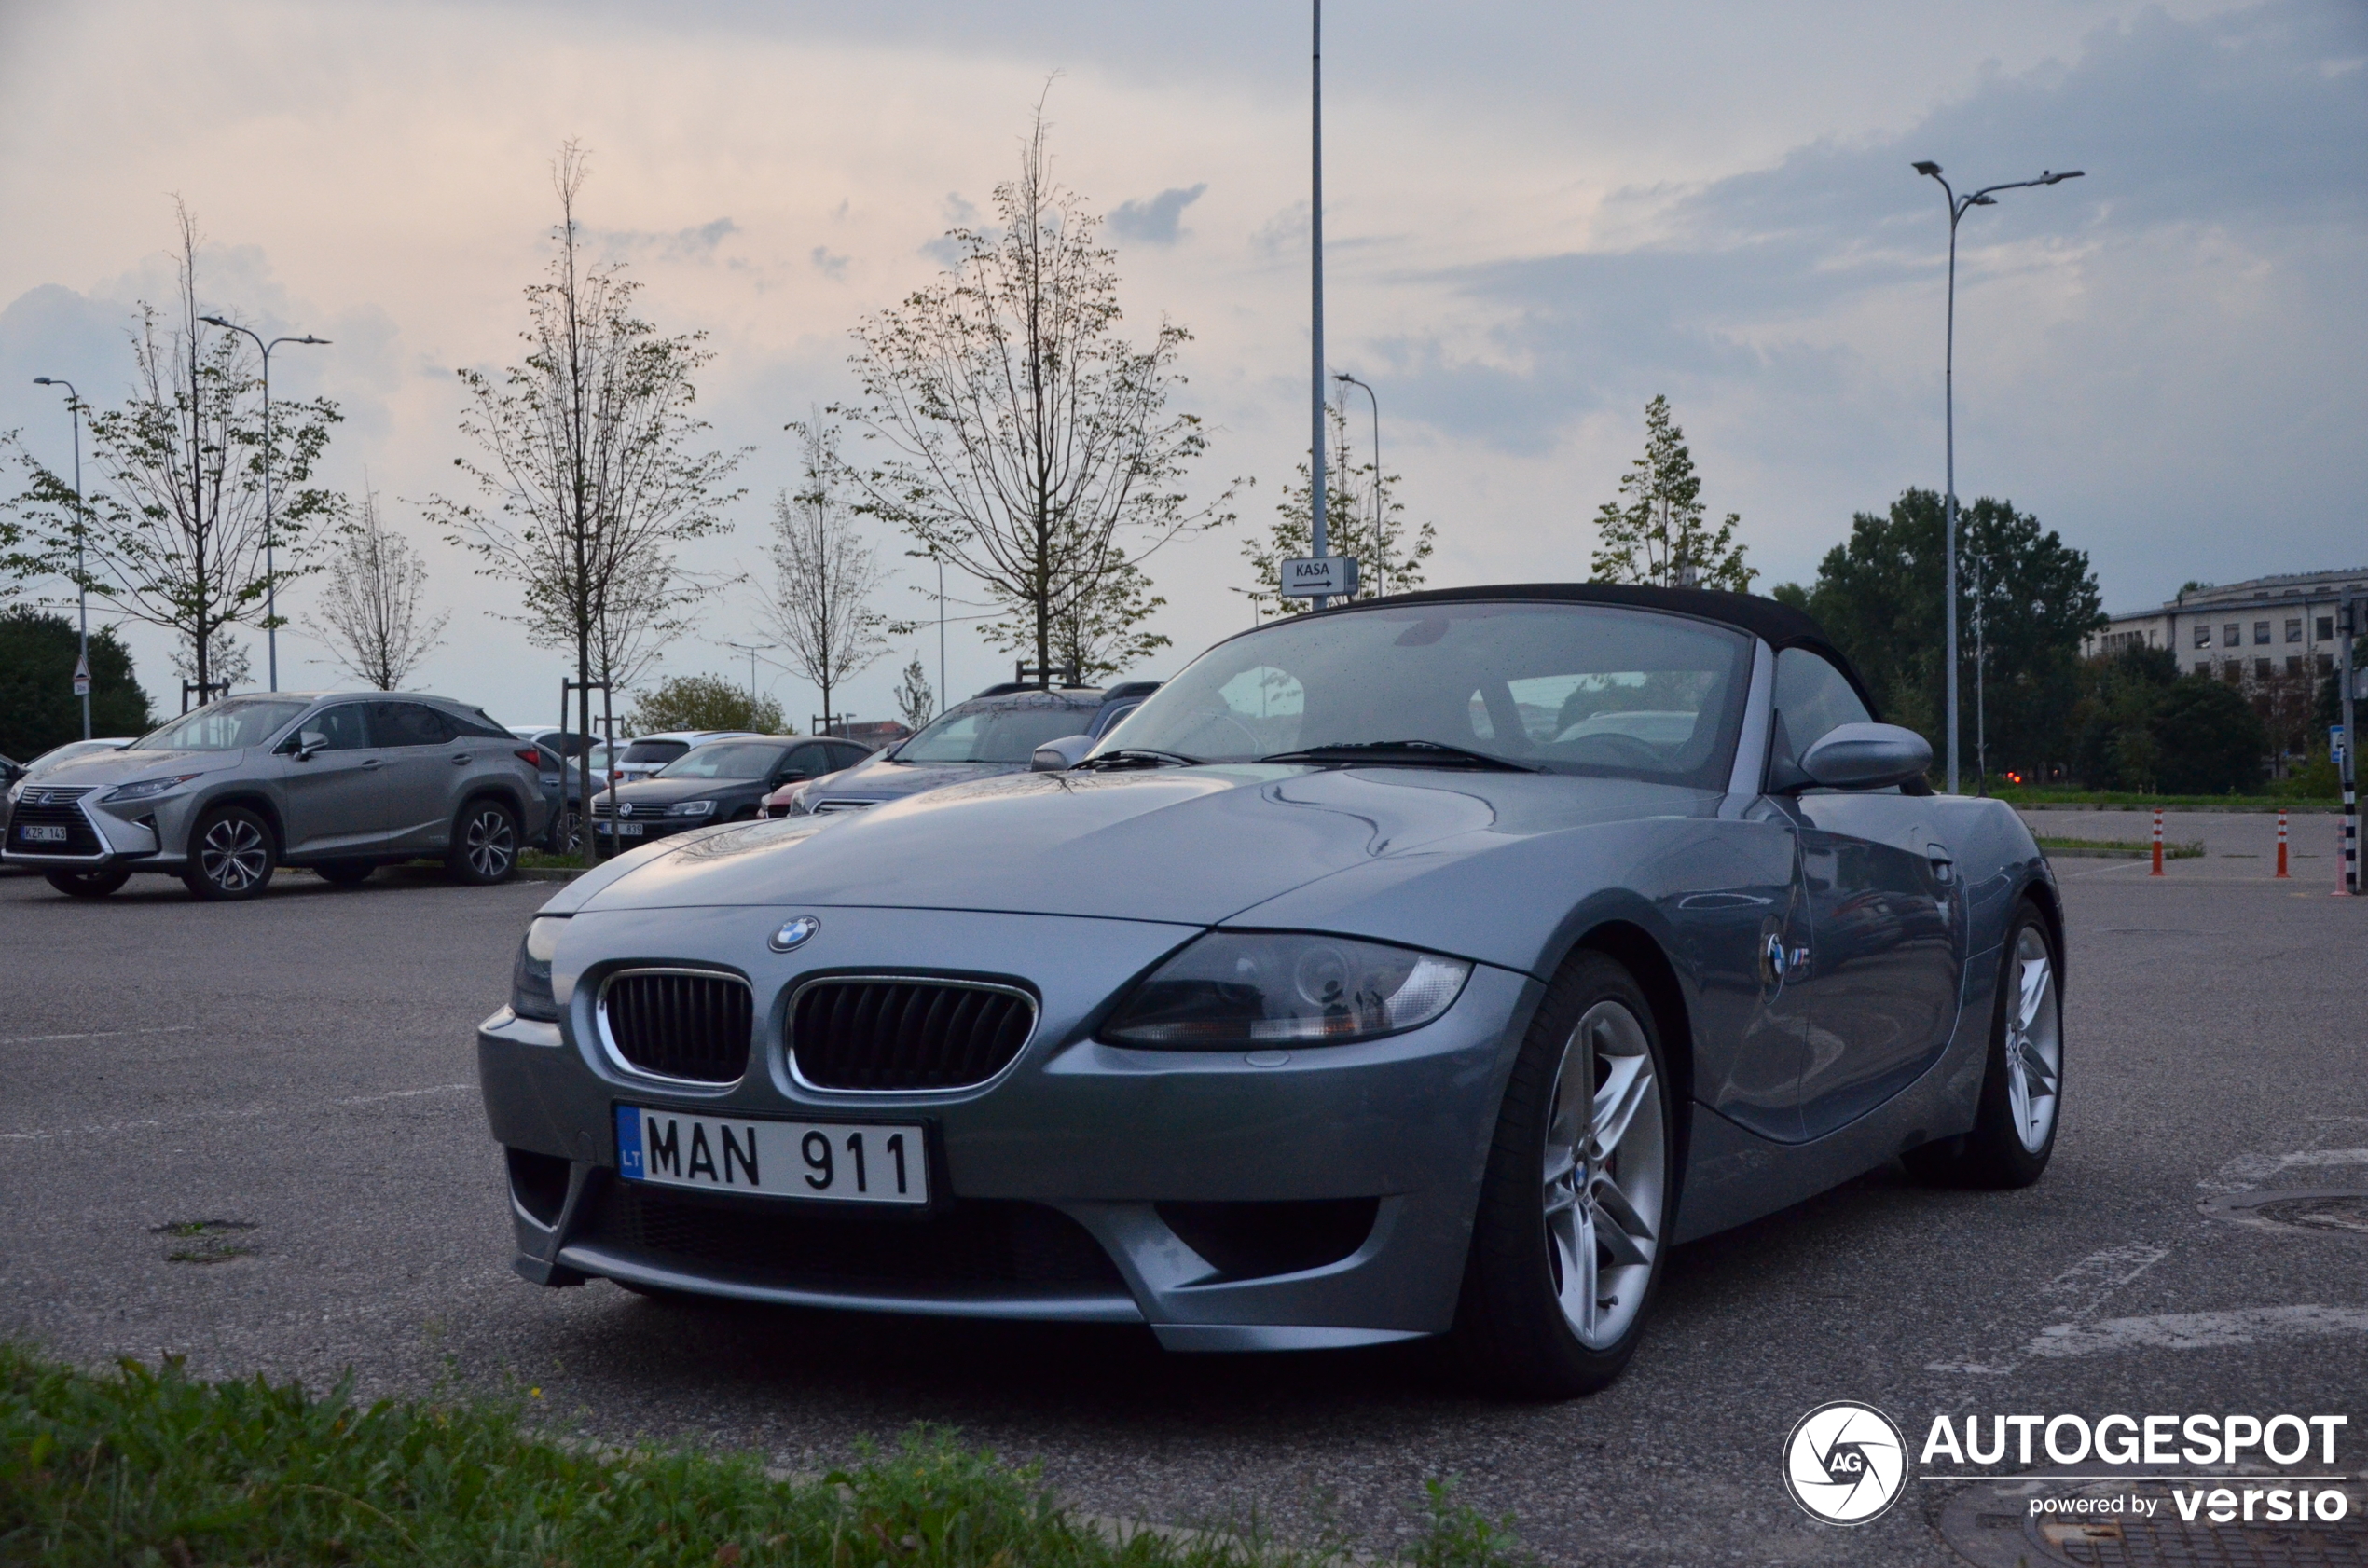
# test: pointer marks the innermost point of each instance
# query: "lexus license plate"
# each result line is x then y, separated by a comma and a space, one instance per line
841, 1162
41, 833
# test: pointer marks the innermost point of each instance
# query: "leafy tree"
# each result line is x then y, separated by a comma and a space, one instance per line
2113, 742
586, 472
2207, 739
38, 709
175, 534
371, 616
1024, 441
705, 702
823, 573
1099, 634
1361, 518
916, 702
1659, 535
1881, 593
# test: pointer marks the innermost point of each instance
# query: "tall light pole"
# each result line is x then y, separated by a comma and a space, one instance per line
1381, 546
752, 650
1316, 499
1957, 206
81, 529
270, 567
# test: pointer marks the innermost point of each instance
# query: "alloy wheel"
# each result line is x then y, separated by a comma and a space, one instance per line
1606, 1175
2034, 1041
233, 855
490, 844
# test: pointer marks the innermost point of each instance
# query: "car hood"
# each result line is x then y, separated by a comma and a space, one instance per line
101, 769
666, 792
1193, 845
879, 779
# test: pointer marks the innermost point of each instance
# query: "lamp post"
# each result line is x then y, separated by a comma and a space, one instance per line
1316, 500
1958, 205
752, 650
1380, 546
81, 529
271, 568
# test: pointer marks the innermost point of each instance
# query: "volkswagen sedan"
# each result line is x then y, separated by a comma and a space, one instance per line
1376, 979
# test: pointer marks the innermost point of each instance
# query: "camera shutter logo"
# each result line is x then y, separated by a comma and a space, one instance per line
1845, 1463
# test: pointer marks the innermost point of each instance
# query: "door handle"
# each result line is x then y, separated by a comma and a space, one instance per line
369, 761
460, 757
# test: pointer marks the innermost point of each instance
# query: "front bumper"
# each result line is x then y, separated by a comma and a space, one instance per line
96, 835
1062, 1179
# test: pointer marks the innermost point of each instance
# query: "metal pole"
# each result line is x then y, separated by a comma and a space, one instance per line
1949, 416
2351, 629
1317, 499
941, 634
81, 532
271, 568
1381, 546
1981, 658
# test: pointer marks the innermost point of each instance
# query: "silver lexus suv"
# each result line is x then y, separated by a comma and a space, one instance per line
340, 783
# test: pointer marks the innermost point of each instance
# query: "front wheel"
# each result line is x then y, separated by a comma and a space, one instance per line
2014, 1131
231, 855
1574, 1208
485, 844
88, 883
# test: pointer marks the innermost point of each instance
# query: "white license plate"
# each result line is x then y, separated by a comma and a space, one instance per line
42, 832
842, 1162
621, 830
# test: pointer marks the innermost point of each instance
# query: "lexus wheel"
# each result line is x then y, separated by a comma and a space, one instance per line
231, 855
567, 833
1575, 1209
88, 883
2014, 1131
485, 844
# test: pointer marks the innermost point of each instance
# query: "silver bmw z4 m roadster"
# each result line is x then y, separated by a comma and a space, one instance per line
1429, 965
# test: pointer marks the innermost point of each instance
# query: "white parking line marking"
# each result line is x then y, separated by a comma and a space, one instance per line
99, 1034
2092, 1280
2220, 1330
404, 1093
2248, 1171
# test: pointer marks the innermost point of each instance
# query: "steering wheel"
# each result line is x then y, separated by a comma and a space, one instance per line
1626, 751
1198, 741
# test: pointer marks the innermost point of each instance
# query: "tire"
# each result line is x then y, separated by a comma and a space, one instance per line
485, 843
232, 855
88, 883
345, 873
2014, 1131
566, 835
1558, 1283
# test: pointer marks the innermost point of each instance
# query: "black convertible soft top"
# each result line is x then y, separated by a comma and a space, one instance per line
1781, 624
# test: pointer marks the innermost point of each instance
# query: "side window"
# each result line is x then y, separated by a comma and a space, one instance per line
1814, 697
341, 728
475, 722
805, 762
410, 723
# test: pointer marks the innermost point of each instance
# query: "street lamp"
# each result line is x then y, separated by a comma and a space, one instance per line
81, 529
270, 569
1380, 546
1318, 501
1957, 208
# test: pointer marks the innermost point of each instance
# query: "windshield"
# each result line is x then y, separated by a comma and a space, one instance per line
1569, 688
994, 735
224, 726
721, 761
654, 750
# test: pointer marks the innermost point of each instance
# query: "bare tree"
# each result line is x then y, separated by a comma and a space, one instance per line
371, 615
1025, 440
175, 534
824, 574
586, 476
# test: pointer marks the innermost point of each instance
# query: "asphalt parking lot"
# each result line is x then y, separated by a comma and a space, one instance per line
297, 1071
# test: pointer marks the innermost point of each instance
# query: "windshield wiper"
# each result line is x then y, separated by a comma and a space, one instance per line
1139, 756
1401, 754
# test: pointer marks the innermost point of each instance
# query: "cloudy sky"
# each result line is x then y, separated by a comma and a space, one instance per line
1538, 217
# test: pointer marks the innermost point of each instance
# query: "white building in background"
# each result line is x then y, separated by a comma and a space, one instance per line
2243, 631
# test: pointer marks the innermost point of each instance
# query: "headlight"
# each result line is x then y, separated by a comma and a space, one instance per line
1232, 990
530, 976
691, 808
146, 788
14, 790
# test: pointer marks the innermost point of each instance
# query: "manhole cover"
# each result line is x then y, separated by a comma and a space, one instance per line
1991, 1524
2339, 1212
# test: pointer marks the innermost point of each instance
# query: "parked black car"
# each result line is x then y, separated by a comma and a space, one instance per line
722, 781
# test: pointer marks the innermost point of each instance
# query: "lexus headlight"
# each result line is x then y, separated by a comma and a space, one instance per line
1232, 990
691, 808
146, 788
530, 976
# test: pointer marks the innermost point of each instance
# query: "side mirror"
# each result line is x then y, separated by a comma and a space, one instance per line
1866, 757
1059, 756
302, 745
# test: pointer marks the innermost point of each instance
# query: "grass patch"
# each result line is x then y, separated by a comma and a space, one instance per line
2192, 849
541, 859
149, 1466
2037, 794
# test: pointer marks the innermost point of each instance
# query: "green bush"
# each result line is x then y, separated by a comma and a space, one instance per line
2207, 740
38, 709
704, 702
